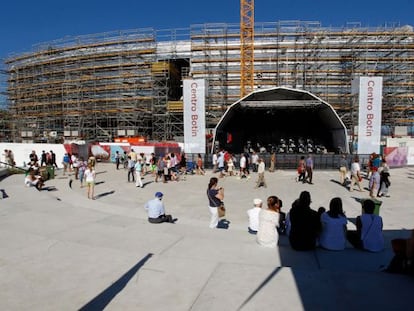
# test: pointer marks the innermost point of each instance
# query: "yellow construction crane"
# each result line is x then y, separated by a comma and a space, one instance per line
246, 47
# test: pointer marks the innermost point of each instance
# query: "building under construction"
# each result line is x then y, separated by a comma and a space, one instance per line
129, 83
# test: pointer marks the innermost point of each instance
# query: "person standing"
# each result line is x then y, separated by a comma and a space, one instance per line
220, 162
261, 171
356, 177
138, 171
230, 165
33, 157
200, 169
82, 169
267, 234
385, 182
124, 160
343, 165
156, 210
117, 159
309, 169
272, 162
90, 176
65, 162
133, 155
242, 163
253, 215
215, 195
215, 162
75, 165
301, 170
5, 159
43, 158
373, 174
53, 158
131, 167
183, 163
255, 161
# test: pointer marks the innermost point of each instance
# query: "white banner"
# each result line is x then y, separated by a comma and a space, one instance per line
194, 116
369, 121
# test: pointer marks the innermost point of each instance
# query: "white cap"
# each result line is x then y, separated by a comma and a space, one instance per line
257, 201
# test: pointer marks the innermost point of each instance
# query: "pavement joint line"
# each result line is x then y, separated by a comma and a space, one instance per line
171, 245
218, 264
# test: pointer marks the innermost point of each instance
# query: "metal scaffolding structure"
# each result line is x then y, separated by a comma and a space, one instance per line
128, 83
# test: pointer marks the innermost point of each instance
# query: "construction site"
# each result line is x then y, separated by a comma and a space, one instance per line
129, 83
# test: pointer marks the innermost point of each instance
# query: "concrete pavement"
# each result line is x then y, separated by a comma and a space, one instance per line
62, 251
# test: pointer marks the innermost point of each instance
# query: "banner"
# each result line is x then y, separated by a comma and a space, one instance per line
369, 121
194, 116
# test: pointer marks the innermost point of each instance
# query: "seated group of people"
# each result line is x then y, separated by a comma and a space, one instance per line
308, 229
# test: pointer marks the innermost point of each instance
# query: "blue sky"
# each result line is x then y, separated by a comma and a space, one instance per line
24, 23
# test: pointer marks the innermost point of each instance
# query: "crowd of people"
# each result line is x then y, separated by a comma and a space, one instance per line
308, 229
378, 175
170, 167
305, 228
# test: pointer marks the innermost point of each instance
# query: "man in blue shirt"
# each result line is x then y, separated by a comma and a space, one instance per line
309, 169
156, 210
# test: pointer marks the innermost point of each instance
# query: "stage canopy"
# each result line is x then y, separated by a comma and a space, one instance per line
264, 117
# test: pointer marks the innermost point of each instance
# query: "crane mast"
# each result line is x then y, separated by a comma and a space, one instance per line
246, 47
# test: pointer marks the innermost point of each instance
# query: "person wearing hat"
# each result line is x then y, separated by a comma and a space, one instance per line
156, 210
253, 214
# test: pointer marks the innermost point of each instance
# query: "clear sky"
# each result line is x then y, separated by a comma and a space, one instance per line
24, 23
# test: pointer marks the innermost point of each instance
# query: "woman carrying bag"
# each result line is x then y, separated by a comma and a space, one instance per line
215, 196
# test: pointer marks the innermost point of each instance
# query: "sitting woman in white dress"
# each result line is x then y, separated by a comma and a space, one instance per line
267, 234
333, 234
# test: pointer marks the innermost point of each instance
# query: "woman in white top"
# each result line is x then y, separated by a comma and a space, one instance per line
90, 181
267, 234
333, 234
355, 174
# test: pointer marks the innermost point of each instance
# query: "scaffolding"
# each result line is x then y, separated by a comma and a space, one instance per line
128, 83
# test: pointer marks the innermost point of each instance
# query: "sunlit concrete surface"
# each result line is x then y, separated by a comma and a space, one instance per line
62, 251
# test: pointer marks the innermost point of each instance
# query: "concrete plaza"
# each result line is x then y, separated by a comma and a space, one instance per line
62, 251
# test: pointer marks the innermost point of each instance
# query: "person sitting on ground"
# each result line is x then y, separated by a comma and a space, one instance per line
403, 260
368, 235
267, 235
304, 224
33, 180
282, 227
333, 234
156, 210
253, 214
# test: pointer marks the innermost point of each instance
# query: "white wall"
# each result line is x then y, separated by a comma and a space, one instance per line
22, 151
